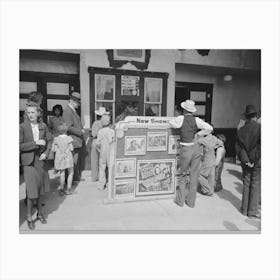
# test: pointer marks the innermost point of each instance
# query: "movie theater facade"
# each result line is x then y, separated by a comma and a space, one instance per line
146, 82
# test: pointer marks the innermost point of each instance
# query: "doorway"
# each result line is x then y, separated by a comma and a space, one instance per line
55, 88
200, 93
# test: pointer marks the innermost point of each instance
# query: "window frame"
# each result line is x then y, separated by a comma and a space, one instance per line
120, 98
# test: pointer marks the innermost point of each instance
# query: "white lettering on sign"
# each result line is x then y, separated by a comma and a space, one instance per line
152, 120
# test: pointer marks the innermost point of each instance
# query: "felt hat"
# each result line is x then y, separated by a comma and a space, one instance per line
101, 111
250, 110
76, 96
189, 106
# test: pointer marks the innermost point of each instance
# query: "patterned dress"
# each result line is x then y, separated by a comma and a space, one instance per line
62, 146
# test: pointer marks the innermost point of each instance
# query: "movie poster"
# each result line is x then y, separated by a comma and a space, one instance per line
155, 177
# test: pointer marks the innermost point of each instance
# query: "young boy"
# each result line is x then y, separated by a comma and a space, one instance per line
105, 138
206, 178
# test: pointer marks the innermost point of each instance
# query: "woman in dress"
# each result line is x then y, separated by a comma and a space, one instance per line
35, 141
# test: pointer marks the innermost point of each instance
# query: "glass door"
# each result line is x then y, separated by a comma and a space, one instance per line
200, 93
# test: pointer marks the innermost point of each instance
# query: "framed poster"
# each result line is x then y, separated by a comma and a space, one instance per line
132, 54
125, 167
155, 177
104, 87
157, 141
137, 57
135, 145
174, 144
124, 188
130, 85
153, 90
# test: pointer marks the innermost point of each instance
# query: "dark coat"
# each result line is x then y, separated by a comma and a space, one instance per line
73, 121
27, 144
248, 144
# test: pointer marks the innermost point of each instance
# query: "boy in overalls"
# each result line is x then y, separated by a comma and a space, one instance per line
105, 138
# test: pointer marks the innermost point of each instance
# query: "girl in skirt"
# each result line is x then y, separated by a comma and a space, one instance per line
62, 146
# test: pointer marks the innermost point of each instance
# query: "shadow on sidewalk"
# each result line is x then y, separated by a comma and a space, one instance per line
236, 173
227, 195
230, 226
255, 223
239, 187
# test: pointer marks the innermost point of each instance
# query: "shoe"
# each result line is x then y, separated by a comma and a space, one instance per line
68, 192
79, 180
256, 216
41, 219
61, 192
31, 225
101, 188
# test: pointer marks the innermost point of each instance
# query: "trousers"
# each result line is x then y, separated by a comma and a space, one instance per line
94, 161
76, 160
190, 157
218, 176
206, 180
251, 190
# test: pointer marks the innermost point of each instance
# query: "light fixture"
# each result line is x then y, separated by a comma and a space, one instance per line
227, 78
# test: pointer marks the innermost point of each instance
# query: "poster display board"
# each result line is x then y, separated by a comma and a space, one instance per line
146, 159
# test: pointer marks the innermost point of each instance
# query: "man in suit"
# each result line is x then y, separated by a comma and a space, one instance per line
248, 148
75, 130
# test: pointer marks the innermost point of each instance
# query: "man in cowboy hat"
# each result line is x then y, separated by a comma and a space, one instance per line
75, 130
191, 150
248, 148
96, 126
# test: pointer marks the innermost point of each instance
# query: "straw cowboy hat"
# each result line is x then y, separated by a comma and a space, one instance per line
188, 105
101, 111
76, 96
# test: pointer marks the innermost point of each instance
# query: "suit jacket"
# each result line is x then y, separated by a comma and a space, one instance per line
73, 121
27, 144
248, 145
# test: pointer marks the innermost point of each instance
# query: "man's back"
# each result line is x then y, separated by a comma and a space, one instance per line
248, 140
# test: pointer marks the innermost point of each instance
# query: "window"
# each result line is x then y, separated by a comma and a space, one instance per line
105, 92
153, 96
127, 93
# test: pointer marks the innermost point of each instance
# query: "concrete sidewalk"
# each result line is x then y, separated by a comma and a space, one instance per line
85, 211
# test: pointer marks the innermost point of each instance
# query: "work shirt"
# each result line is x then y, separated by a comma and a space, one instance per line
204, 127
96, 126
210, 143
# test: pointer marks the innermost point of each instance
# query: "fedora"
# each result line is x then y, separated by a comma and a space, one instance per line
250, 110
76, 96
101, 111
188, 105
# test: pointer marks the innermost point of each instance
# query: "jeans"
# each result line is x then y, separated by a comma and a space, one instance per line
189, 161
251, 190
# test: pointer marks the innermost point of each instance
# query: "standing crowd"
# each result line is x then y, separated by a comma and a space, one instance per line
202, 154
202, 158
